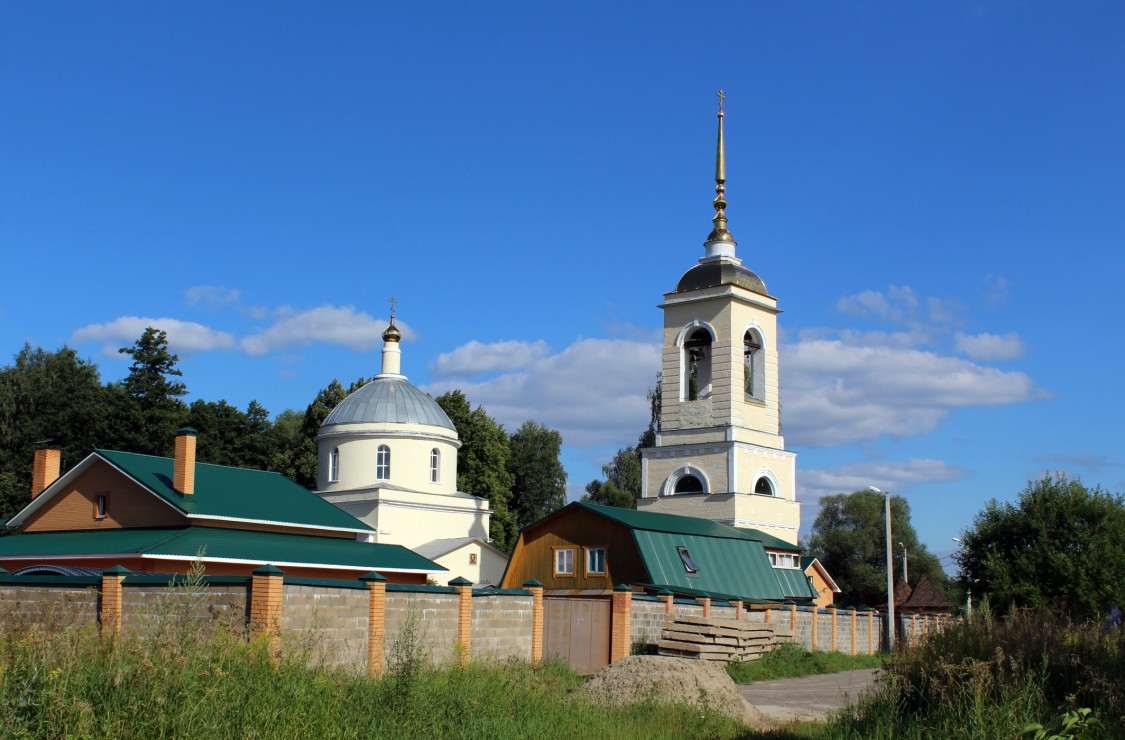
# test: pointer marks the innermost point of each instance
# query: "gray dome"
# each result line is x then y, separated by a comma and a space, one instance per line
712, 274
389, 400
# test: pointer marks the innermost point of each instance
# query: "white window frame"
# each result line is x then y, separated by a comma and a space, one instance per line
383, 463
590, 554
564, 556
435, 465
334, 466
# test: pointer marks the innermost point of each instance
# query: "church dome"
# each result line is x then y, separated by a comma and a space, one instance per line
389, 400
714, 274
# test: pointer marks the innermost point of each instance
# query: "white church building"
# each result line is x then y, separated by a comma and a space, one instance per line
387, 455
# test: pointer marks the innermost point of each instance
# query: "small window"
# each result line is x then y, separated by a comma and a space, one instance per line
763, 486
101, 508
334, 466
697, 365
685, 558
595, 561
383, 463
773, 559
564, 561
435, 465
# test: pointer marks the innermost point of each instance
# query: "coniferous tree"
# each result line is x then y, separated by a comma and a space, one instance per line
151, 386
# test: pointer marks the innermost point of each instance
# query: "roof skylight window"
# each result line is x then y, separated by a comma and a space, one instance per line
685, 557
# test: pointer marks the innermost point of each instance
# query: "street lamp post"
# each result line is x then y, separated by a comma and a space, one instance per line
968, 592
905, 572
890, 570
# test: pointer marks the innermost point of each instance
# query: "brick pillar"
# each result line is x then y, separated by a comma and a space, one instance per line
536, 589
621, 623
669, 600
814, 630
851, 613
925, 625
793, 617
110, 615
769, 616
267, 590
376, 622
737, 610
706, 601
871, 632
464, 617
834, 635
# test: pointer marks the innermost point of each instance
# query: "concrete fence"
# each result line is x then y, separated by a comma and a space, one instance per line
367, 624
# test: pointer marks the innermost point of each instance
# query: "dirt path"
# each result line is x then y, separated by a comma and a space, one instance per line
808, 697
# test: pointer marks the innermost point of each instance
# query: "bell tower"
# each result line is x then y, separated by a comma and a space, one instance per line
719, 453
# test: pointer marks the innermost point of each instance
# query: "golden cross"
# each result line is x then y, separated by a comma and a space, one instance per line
393, 302
721, 99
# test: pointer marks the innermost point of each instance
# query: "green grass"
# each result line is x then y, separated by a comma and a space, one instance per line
789, 661
71, 683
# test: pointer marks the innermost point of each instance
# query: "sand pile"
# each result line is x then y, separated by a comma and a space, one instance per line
640, 678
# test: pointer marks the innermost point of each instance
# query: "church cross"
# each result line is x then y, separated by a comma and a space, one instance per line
721, 99
393, 302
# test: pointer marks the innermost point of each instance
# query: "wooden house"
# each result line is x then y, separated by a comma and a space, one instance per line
587, 548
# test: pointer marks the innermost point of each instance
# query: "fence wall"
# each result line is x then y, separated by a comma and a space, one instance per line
363, 625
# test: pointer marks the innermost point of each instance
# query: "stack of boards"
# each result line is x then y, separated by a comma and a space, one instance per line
727, 640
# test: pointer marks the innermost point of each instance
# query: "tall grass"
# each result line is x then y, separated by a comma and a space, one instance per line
177, 680
989, 678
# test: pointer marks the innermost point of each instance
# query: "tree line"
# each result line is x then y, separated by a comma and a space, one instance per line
58, 399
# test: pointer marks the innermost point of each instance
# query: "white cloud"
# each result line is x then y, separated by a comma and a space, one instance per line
896, 477
183, 336
898, 305
214, 296
835, 391
328, 324
593, 391
477, 358
990, 347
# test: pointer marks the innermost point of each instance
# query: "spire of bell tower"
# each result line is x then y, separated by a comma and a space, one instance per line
720, 243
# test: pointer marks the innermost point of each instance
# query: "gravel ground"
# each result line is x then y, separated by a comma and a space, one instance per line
641, 678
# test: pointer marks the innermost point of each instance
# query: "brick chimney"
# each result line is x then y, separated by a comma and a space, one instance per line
45, 470
183, 477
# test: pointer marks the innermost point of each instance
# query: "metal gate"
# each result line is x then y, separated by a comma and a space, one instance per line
577, 630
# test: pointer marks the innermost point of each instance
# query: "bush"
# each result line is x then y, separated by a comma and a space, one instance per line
991, 678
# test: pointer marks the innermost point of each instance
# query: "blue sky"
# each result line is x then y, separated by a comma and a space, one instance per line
933, 191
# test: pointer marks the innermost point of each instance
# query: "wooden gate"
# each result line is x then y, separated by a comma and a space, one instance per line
577, 630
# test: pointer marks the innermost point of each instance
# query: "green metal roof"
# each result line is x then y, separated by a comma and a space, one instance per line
795, 583
735, 566
654, 522
220, 544
235, 493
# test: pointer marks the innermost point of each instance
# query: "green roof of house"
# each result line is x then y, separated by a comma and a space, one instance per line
234, 493
231, 545
795, 583
732, 562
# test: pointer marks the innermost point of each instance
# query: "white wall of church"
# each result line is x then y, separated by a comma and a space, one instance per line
410, 448
487, 569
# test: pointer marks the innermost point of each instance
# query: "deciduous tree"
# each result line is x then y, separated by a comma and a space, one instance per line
849, 538
1060, 546
482, 464
539, 480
